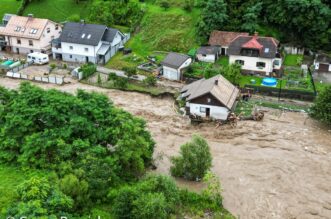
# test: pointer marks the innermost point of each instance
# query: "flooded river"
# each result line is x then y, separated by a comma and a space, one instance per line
277, 168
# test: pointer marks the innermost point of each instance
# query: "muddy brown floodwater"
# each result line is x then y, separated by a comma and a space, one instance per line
277, 168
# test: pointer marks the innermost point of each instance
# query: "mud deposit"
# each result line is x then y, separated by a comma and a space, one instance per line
277, 168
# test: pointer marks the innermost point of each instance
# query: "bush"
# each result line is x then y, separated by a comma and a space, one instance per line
88, 69
129, 71
150, 80
194, 160
321, 109
150, 205
121, 82
165, 5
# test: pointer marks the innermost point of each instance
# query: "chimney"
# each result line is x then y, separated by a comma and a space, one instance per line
256, 34
216, 82
30, 16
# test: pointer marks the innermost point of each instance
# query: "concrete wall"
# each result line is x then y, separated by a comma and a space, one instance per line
216, 112
77, 58
79, 49
171, 73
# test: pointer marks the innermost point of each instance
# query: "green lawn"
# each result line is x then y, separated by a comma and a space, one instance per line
57, 10
9, 6
223, 61
292, 60
10, 178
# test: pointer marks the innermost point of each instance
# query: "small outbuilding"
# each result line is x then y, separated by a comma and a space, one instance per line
322, 63
214, 97
208, 53
222, 39
174, 65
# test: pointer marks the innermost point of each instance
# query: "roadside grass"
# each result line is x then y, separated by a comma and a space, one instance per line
10, 178
292, 60
9, 6
57, 10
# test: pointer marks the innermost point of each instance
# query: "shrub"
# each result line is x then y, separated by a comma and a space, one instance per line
52, 66
88, 69
165, 5
99, 79
150, 80
321, 109
194, 160
150, 205
129, 71
121, 82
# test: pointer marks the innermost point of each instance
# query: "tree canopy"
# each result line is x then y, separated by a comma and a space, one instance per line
321, 109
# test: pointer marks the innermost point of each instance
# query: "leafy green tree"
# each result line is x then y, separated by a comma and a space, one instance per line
37, 198
213, 17
321, 109
150, 80
45, 128
101, 13
165, 5
232, 73
194, 160
251, 18
74, 18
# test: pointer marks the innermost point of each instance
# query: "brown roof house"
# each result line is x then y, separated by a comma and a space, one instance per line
222, 39
257, 55
214, 97
174, 64
28, 34
322, 63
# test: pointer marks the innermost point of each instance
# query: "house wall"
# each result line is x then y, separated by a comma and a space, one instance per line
206, 58
250, 63
44, 43
216, 112
321, 67
175, 74
78, 58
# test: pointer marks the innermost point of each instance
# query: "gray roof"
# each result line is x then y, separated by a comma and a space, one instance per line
208, 50
223, 91
81, 33
7, 17
323, 58
110, 34
103, 49
269, 44
175, 60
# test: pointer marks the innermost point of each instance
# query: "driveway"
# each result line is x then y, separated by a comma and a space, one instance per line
118, 73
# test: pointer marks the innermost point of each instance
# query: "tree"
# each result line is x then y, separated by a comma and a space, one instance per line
194, 160
251, 18
150, 205
37, 198
213, 17
232, 73
101, 13
321, 109
165, 5
150, 80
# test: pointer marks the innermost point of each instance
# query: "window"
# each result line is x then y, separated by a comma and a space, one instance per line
70, 56
33, 31
48, 30
208, 100
31, 51
89, 36
277, 62
240, 62
83, 36
18, 41
202, 109
71, 47
56, 27
204, 55
260, 64
17, 29
23, 29
30, 43
86, 49
266, 50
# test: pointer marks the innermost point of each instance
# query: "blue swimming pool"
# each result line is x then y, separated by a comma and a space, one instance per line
271, 82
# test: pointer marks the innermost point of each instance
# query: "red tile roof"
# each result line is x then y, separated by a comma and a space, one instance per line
224, 38
253, 44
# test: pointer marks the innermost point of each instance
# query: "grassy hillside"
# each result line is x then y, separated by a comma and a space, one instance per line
8, 6
58, 10
161, 30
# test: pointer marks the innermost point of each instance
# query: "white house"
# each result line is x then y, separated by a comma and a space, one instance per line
208, 54
214, 97
257, 55
222, 40
322, 63
23, 35
174, 64
81, 42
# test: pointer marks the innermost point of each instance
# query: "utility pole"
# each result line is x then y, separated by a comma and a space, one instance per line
312, 81
280, 89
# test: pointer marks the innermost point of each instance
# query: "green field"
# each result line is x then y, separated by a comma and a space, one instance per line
292, 60
9, 6
57, 10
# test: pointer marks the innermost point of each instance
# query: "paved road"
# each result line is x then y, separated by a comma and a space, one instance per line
118, 73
